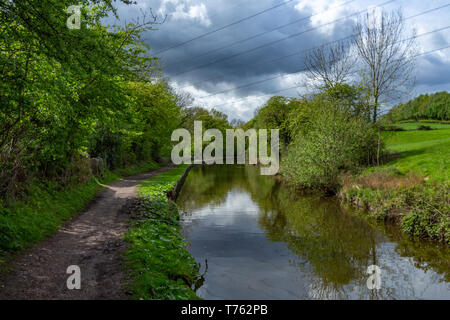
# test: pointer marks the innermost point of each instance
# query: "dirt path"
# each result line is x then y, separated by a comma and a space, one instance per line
92, 240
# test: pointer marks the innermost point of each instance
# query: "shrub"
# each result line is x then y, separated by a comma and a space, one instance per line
422, 127
337, 142
422, 211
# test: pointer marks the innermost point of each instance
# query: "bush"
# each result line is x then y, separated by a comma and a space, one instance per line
424, 128
335, 143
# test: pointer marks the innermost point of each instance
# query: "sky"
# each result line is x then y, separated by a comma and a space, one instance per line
205, 49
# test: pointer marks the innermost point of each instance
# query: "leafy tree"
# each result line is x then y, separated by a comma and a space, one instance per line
275, 115
60, 89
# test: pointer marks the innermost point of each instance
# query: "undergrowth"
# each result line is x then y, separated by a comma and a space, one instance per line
421, 208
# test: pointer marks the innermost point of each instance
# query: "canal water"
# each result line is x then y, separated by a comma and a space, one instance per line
257, 238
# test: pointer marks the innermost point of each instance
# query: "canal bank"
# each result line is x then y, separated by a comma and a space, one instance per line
157, 263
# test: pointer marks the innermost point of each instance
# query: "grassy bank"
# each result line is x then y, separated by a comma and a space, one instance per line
157, 261
423, 152
413, 188
48, 206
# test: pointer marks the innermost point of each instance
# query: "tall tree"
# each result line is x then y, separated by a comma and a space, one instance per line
387, 55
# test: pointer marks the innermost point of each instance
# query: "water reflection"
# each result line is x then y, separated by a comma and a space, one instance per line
264, 241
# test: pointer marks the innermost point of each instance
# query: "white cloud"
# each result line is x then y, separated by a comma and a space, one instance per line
323, 11
186, 11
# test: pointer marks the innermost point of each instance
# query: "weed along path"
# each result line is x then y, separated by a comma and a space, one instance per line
92, 241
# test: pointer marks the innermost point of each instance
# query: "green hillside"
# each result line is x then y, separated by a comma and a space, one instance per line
434, 106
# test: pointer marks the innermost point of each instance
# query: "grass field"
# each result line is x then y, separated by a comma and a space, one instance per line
424, 152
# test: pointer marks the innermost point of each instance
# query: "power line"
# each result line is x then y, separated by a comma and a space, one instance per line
302, 70
224, 27
263, 33
264, 63
279, 40
306, 50
298, 86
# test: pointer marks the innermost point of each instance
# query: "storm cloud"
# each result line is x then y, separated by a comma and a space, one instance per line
221, 78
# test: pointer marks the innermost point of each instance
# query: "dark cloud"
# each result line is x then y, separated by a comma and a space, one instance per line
190, 18
433, 71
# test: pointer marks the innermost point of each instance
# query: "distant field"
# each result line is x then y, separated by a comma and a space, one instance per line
425, 152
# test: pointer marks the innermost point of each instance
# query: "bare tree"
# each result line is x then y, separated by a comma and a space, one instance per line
329, 65
387, 55
184, 99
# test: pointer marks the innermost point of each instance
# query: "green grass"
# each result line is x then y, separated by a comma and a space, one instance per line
420, 206
157, 261
422, 211
47, 207
424, 152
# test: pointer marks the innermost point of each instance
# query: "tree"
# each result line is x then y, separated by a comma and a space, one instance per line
274, 115
328, 66
387, 56
57, 85
331, 140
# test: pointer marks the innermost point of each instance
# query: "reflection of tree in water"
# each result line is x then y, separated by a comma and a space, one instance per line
427, 255
336, 246
209, 185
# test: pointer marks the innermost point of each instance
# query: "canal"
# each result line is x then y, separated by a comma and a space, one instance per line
257, 238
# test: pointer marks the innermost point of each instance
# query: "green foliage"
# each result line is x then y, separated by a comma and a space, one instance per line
392, 128
422, 127
424, 152
423, 211
211, 119
159, 265
47, 207
64, 92
434, 106
275, 115
412, 125
330, 137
